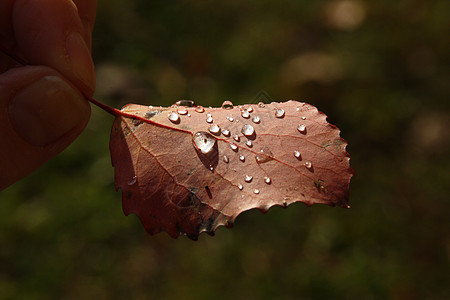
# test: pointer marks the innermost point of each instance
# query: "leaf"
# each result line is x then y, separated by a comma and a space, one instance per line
185, 170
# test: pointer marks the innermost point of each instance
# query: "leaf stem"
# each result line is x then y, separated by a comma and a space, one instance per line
113, 111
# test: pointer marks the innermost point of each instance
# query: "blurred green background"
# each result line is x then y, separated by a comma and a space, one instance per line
378, 69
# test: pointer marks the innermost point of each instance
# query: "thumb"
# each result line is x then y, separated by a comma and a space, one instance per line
40, 114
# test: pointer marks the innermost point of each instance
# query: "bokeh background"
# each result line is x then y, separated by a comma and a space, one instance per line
378, 69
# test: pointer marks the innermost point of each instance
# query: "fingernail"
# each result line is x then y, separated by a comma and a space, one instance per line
81, 60
46, 110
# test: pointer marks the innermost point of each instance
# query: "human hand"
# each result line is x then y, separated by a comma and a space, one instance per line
42, 105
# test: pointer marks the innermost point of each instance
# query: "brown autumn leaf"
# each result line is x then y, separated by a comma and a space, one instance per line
185, 170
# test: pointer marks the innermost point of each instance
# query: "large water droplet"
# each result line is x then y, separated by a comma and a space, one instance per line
187, 103
248, 130
227, 105
204, 142
265, 156
245, 114
297, 154
256, 119
132, 180
241, 157
214, 128
174, 117
200, 109
308, 165
279, 113
267, 180
226, 132
301, 128
226, 159
248, 178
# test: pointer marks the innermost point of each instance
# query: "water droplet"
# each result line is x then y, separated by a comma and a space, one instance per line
267, 180
236, 138
209, 119
250, 109
151, 114
199, 109
174, 117
279, 113
227, 105
256, 191
226, 159
308, 165
245, 114
297, 154
132, 181
233, 147
261, 104
265, 156
249, 143
188, 115
248, 178
204, 142
241, 157
230, 119
303, 118
248, 130
226, 132
256, 119
187, 103
214, 128
211, 168
240, 186
301, 128
182, 112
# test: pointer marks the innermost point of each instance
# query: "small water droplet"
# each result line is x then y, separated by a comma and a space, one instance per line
279, 113
248, 130
301, 128
267, 180
241, 157
245, 114
214, 128
188, 115
226, 159
211, 168
303, 118
204, 142
174, 117
226, 132
200, 109
230, 119
249, 143
261, 104
182, 112
132, 181
297, 154
308, 165
248, 178
227, 105
187, 103
233, 147
209, 119
240, 186
256, 119
256, 191
250, 109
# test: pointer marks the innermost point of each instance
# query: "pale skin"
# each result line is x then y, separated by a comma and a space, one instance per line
43, 107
